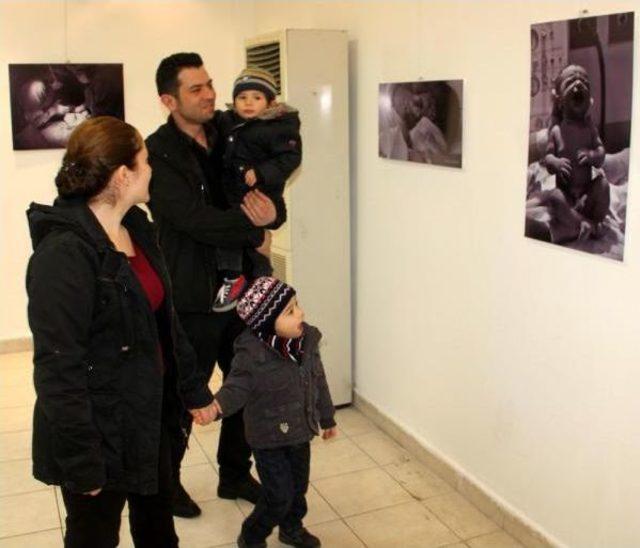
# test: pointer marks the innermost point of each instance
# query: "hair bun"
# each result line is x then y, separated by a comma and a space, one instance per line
73, 169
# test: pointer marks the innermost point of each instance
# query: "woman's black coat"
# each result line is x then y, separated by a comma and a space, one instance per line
99, 354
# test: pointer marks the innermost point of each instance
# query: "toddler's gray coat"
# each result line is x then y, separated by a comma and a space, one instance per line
283, 401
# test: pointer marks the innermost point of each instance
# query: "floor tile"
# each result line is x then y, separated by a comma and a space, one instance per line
381, 448
62, 511
125, 534
361, 491
28, 513
353, 423
460, 516
319, 509
414, 526
499, 539
16, 476
194, 454
418, 479
20, 394
339, 457
15, 377
208, 440
16, 419
43, 539
15, 445
216, 382
16, 360
200, 481
219, 524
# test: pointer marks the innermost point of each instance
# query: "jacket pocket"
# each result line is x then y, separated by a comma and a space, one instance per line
101, 377
114, 313
127, 320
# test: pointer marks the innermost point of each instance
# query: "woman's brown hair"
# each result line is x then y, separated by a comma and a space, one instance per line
96, 148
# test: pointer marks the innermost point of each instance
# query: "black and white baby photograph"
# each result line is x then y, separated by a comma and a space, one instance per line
580, 127
421, 122
48, 101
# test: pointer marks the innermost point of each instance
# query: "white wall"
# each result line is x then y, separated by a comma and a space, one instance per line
515, 360
137, 34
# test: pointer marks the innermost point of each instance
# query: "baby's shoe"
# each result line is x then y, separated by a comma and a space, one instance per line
229, 293
300, 538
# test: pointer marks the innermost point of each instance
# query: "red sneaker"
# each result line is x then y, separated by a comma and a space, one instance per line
229, 293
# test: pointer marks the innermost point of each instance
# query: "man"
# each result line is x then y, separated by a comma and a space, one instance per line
190, 210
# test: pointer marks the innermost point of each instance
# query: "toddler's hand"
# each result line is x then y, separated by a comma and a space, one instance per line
250, 177
204, 415
329, 433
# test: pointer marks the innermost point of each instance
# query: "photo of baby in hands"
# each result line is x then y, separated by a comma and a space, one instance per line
278, 378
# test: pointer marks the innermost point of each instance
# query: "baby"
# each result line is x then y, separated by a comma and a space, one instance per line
262, 149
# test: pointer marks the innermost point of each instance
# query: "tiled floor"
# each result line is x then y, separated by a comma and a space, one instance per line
365, 489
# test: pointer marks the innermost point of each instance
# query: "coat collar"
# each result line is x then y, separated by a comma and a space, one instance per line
74, 214
262, 351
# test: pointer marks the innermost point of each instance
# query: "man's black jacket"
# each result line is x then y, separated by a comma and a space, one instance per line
190, 221
100, 353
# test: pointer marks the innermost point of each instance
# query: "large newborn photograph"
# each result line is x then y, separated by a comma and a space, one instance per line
580, 127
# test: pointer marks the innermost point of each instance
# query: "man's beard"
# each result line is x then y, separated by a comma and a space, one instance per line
195, 117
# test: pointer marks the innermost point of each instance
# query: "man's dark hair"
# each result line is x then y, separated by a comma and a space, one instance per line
169, 67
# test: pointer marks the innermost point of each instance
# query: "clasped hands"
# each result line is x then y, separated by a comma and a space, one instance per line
206, 415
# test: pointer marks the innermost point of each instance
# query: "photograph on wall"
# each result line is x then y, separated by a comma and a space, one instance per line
579, 133
421, 122
49, 101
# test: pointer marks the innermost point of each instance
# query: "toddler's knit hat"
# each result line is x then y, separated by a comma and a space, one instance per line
256, 78
263, 302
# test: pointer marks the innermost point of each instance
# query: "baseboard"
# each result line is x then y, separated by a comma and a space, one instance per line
8, 346
509, 519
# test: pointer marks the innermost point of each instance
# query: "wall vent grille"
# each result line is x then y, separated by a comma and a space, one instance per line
266, 56
279, 263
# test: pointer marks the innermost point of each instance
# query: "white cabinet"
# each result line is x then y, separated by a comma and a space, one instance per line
312, 250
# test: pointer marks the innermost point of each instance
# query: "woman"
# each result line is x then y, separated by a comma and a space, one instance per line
113, 370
